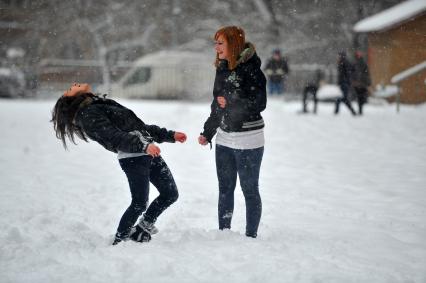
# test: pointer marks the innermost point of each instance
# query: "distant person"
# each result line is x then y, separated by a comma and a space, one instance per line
344, 73
311, 87
276, 70
360, 80
81, 113
239, 95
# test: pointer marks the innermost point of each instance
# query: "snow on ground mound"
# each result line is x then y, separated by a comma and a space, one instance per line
329, 92
344, 200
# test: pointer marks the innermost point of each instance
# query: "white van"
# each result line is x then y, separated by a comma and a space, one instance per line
168, 75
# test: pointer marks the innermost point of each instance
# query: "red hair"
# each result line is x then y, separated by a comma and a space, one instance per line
235, 37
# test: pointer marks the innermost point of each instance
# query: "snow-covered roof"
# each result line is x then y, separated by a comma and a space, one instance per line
409, 72
391, 17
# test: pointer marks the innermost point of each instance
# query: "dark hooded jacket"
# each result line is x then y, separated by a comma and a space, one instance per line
244, 89
344, 71
116, 127
276, 70
360, 75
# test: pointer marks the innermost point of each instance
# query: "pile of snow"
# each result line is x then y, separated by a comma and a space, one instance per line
329, 91
344, 200
385, 91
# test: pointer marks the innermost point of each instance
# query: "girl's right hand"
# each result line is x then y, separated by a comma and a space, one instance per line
153, 150
202, 140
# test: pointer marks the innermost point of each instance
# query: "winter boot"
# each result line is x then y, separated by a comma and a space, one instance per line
140, 235
148, 226
120, 238
251, 235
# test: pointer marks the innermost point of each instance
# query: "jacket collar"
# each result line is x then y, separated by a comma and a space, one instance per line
247, 53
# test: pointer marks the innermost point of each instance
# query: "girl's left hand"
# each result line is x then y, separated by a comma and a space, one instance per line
180, 137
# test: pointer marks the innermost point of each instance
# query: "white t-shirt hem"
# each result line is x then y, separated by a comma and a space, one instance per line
241, 140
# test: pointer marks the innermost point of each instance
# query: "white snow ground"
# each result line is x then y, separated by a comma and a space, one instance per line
344, 201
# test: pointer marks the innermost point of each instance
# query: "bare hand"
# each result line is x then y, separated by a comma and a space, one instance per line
202, 140
180, 137
153, 150
222, 101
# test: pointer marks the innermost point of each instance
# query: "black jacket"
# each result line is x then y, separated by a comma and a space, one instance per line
244, 89
117, 128
360, 76
276, 70
344, 72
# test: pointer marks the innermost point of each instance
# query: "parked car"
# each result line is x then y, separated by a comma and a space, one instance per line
168, 75
12, 83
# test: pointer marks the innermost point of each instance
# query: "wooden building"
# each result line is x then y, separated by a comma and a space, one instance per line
396, 42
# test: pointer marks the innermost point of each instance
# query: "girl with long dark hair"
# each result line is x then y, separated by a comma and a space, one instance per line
239, 95
81, 113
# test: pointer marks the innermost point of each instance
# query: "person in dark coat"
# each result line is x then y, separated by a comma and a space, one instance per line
311, 87
79, 112
277, 70
239, 96
344, 74
360, 80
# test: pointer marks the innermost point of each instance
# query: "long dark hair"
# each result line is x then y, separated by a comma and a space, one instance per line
63, 117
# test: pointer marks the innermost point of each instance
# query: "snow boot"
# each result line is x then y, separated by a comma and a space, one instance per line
138, 234
116, 241
251, 235
148, 226
120, 238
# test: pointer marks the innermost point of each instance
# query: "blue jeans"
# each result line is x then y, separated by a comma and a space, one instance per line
246, 163
275, 88
140, 171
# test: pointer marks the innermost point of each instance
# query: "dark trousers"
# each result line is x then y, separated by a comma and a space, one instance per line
361, 96
140, 171
310, 89
246, 163
344, 99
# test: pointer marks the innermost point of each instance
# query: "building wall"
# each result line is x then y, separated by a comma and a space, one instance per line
396, 50
13, 27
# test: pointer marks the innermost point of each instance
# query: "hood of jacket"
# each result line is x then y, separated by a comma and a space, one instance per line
248, 55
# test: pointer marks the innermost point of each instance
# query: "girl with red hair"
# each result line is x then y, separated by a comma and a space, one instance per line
239, 95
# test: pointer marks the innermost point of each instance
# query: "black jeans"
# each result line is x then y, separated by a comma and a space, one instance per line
246, 163
362, 97
344, 99
140, 171
310, 89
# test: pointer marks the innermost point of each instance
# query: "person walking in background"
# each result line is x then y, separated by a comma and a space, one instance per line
239, 95
344, 73
277, 70
361, 80
311, 87
79, 112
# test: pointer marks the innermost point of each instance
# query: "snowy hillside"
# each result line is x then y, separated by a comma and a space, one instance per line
344, 201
